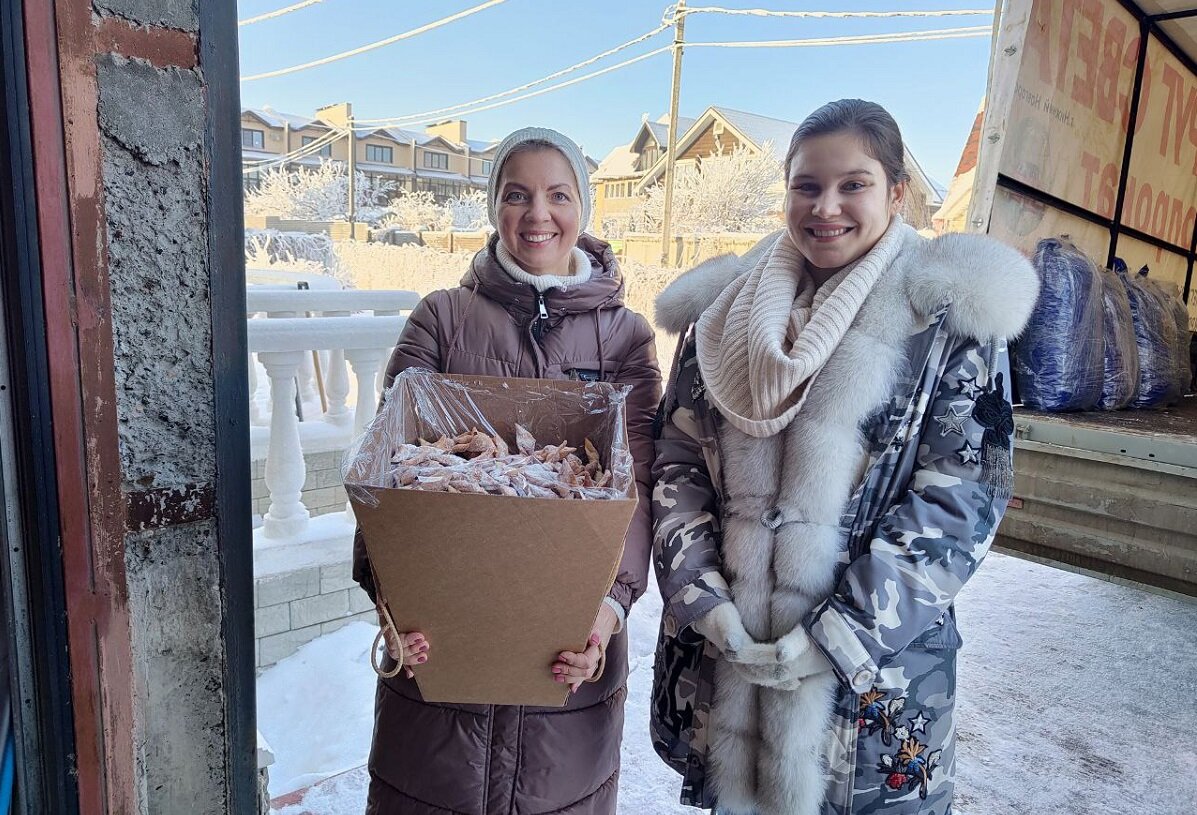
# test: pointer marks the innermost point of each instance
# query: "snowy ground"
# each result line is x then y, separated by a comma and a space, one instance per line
1076, 696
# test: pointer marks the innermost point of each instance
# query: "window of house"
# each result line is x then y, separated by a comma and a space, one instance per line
251, 180
486, 165
325, 151
436, 161
253, 138
383, 155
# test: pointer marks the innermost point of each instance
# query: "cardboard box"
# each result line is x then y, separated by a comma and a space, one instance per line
499, 585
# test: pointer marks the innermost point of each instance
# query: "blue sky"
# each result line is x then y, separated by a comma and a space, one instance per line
933, 88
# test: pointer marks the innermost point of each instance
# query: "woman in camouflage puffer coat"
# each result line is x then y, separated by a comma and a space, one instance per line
833, 461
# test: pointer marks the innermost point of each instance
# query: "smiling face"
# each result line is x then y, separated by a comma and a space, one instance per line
539, 211
838, 200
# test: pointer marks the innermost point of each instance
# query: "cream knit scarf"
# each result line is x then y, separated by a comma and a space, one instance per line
767, 336
579, 270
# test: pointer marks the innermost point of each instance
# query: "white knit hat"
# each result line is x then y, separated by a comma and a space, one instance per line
563, 144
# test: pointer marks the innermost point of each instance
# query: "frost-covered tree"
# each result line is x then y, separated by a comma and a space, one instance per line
416, 212
740, 191
468, 211
272, 250
317, 194
615, 226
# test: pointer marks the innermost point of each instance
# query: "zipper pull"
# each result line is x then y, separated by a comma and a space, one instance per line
542, 321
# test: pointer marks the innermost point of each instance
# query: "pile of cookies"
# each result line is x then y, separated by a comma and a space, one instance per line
475, 462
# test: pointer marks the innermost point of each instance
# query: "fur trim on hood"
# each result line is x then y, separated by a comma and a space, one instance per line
991, 287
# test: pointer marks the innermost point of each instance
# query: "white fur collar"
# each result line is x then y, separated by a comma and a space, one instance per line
992, 287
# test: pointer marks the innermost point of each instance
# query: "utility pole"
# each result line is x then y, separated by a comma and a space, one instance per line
679, 39
352, 172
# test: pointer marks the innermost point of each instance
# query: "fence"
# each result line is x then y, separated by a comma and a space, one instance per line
301, 563
686, 250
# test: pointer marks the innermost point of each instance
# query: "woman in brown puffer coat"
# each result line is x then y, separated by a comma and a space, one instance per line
542, 300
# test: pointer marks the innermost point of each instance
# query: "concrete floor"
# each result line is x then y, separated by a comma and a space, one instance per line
1076, 696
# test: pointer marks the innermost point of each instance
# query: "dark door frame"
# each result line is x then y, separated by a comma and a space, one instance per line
52, 775
230, 368
31, 565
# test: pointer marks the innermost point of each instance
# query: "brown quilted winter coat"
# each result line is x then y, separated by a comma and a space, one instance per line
436, 759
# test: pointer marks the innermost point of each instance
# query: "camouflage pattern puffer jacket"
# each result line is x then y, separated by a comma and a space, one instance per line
909, 427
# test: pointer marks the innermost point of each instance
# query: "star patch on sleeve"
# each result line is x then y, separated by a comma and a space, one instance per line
968, 388
969, 454
952, 420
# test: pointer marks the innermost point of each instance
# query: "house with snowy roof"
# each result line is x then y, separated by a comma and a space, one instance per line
629, 170
615, 180
440, 159
952, 216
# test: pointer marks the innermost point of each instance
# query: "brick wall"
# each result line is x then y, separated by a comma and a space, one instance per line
322, 488
294, 608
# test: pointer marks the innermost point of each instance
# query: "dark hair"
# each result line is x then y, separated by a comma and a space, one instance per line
868, 120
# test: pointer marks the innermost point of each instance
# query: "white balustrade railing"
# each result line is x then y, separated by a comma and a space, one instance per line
356, 330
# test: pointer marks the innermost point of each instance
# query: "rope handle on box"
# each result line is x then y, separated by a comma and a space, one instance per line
385, 621
602, 666
380, 638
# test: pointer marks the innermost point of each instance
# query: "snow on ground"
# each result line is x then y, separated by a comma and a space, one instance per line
1076, 696
316, 709
344, 794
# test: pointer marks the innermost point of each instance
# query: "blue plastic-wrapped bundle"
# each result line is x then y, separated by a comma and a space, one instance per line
1175, 309
1120, 379
1060, 360
1155, 337
1183, 347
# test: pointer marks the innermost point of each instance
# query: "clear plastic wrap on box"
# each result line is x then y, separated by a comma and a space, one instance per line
1155, 337
1060, 359
1121, 375
490, 436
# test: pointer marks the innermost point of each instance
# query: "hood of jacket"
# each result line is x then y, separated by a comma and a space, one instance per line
604, 289
991, 287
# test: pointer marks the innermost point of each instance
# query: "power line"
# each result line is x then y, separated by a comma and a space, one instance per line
758, 12
313, 146
270, 15
309, 149
863, 39
526, 86
381, 43
866, 39
558, 86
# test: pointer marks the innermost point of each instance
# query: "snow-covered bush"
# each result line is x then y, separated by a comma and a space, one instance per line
416, 212
270, 249
740, 191
468, 211
420, 269
317, 194
420, 211
615, 226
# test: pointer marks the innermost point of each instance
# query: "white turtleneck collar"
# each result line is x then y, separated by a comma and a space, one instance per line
579, 270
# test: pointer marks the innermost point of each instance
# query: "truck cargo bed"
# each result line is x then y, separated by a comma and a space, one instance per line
1108, 492
1166, 436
